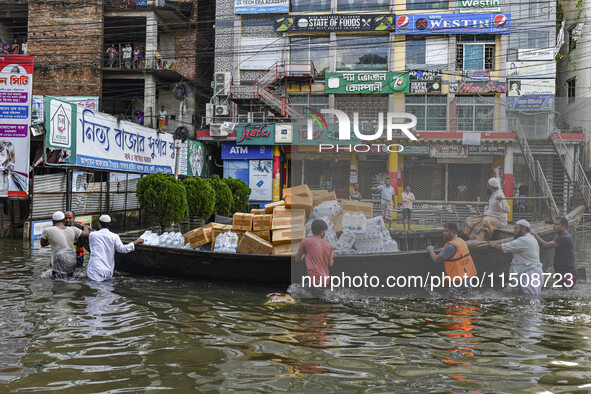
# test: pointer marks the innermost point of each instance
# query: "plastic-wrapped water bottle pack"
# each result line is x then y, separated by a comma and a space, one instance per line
327, 209
167, 240
226, 243
354, 223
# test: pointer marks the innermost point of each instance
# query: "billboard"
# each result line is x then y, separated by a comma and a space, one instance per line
531, 103
531, 87
366, 82
425, 81
336, 22
261, 6
532, 69
16, 84
38, 114
453, 24
479, 5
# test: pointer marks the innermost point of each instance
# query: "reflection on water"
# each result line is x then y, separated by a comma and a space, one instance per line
130, 334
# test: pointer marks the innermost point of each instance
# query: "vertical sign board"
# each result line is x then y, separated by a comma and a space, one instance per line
195, 158
261, 180
16, 85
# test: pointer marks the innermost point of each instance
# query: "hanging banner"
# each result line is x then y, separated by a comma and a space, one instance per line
255, 134
479, 5
531, 87
537, 103
453, 24
367, 82
261, 6
16, 85
336, 22
425, 81
260, 180
192, 159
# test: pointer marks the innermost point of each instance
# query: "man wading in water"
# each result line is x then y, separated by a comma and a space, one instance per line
319, 258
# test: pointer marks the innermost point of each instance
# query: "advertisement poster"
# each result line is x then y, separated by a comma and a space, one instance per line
37, 115
192, 159
367, 82
261, 180
532, 69
16, 84
453, 24
536, 103
340, 22
261, 6
425, 81
448, 151
531, 87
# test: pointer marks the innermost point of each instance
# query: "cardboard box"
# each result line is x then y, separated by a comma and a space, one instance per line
282, 212
262, 222
286, 249
303, 191
201, 236
286, 236
338, 224
258, 211
365, 207
288, 222
242, 221
251, 244
188, 235
299, 202
320, 198
265, 234
215, 231
269, 208
214, 225
319, 192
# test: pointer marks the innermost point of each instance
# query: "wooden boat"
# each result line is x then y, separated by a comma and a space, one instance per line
283, 270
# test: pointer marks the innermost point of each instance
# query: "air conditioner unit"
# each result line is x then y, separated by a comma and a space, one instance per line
216, 130
209, 112
222, 110
222, 83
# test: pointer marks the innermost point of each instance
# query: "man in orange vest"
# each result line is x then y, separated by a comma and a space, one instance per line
455, 256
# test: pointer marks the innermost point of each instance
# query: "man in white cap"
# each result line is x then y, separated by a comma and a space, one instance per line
526, 268
495, 214
103, 244
62, 238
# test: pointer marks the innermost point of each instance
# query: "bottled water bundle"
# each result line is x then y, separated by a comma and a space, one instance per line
345, 243
369, 242
327, 209
226, 243
331, 237
167, 240
354, 223
390, 246
377, 224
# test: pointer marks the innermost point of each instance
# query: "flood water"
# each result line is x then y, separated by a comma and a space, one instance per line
136, 334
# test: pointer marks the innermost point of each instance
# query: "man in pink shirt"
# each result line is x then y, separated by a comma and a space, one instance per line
319, 258
407, 199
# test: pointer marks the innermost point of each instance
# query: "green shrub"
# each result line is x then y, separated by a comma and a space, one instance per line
223, 195
240, 192
200, 197
163, 198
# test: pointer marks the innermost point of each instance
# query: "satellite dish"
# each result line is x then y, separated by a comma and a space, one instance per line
181, 133
180, 91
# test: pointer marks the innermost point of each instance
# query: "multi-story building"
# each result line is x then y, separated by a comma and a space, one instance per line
474, 74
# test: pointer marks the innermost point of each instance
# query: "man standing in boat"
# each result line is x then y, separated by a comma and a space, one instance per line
564, 256
103, 244
319, 256
455, 256
387, 192
526, 267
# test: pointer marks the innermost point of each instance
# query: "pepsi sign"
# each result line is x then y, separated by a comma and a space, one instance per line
453, 24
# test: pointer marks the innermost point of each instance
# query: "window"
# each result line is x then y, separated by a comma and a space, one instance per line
362, 5
539, 9
475, 53
430, 110
315, 49
427, 5
572, 43
475, 113
310, 5
426, 53
315, 101
533, 125
362, 53
571, 90
539, 39
368, 107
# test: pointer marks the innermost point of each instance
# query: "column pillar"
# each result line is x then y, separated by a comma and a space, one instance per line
393, 174
276, 173
151, 40
150, 108
508, 179
353, 172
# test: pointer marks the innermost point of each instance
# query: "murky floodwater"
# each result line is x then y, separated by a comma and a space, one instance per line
134, 334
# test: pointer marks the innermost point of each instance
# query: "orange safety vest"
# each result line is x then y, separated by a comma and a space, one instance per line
461, 263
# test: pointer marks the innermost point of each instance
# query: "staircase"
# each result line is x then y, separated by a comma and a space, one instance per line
536, 172
262, 89
573, 169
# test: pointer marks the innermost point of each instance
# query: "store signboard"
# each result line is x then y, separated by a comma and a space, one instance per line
448, 151
471, 138
453, 24
415, 150
530, 69
535, 54
531, 103
465, 160
261, 6
322, 134
283, 133
479, 5
260, 180
476, 75
477, 87
336, 22
255, 134
531, 87
425, 81
366, 82
16, 85
231, 151
486, 150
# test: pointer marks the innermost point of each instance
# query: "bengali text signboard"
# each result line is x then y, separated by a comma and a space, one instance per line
366, 82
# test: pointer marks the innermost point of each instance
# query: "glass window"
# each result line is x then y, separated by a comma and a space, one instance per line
571, 90
314, 101
475, 113
415, 51
527, 40
534, 125
310, 5
315, 49
539, 10
368, 107
362, 5
430, 110
427, 5
362, 53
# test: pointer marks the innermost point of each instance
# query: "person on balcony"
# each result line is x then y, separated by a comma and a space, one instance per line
136, 57
112, 52
127, 55
162, 119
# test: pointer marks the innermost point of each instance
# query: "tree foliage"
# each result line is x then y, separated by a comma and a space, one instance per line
200, 197
163, 198
223, 195
240, 192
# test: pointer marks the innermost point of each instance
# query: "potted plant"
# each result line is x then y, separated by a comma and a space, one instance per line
163, 198
201, 199
240, 192
223, 195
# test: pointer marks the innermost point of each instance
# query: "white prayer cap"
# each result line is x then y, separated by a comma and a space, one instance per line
57, 216
523, 223
105, 219
494, 182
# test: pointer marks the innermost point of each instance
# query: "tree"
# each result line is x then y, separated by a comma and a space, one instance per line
223, 195
200, 197
240, 192
163, 198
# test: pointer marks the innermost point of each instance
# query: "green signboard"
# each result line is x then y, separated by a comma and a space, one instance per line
415, 150
195, 159
60, 138
255, 134
367, 82
479, 5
